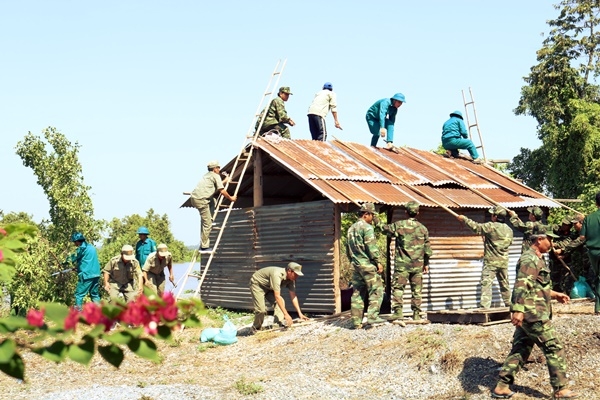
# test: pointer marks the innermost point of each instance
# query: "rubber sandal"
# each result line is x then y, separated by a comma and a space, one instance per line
502, 396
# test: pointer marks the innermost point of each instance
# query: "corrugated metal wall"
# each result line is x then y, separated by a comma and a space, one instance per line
274, 236
454, 276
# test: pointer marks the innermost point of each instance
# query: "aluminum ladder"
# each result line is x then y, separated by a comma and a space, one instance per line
470, 109
243, 159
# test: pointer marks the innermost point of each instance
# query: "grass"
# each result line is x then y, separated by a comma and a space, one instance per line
247, 388
451, 361
423, 346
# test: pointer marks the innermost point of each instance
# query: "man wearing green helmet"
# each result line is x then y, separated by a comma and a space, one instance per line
381, 117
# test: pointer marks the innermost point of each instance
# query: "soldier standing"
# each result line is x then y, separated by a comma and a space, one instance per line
497, 239
154, 269
88, 270
590, 232
121, 275
529, 227
411, 261
363, 253
277, 118
531, 313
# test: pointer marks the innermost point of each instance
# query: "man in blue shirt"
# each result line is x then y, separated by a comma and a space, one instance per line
455, 137
381, 117
88, 270
144, 246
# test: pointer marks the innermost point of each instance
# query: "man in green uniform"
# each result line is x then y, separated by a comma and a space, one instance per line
122, 274
144, 246
590, 232
154, 269
203, 198
277, 118
411, 261
531, 313
266, 284
88, 270
497, 239
527, 228
363, 253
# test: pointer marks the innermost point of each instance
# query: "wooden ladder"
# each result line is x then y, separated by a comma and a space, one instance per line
470, 109
243, 159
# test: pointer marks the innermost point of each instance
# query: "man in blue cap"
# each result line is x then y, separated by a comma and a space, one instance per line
381, 117
88, 270
144, 246
324, 101
456, 137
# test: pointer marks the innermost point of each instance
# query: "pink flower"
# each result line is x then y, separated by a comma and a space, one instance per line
168, 313
2, 232
135, 314
35, 317
1, 256
72, 319
151, 328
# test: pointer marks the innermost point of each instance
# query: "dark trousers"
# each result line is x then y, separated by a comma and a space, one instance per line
317, 127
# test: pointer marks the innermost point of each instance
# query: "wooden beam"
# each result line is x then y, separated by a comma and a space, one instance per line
258, 179
337, 228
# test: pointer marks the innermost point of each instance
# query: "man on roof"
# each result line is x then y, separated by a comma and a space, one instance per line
324, 101
456, 137
277, 119
381, 117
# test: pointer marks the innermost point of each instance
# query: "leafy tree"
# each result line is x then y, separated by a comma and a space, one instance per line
562, 96
123, 231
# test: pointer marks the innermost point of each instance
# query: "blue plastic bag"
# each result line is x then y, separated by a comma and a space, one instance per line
227, 334
581, 289
209, 334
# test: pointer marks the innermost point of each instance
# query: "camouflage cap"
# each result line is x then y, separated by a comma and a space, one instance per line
543, 230
213, 164
577, 218
285, 89
498, 211
367, 207
566, 221
536, 211
412, 206
297, 268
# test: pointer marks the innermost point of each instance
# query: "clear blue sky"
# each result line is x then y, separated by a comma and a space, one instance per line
152, 90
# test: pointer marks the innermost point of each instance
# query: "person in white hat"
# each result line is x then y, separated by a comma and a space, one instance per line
122, 274
203, 198
154, 269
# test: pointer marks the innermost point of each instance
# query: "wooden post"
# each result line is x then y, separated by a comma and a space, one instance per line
337, 229
258, 179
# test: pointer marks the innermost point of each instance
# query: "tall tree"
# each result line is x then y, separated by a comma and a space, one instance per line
562, 96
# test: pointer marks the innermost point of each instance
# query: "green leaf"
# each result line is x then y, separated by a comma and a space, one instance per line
13, 323
96, 331
112, 354
7, 272
192, 322
8, 349
144, 348
164, 332
56, 352
56, 312
111, 311
14, 367
119, 337
84, 351
13, 244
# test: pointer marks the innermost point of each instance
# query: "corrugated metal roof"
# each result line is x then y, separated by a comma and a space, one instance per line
348, 172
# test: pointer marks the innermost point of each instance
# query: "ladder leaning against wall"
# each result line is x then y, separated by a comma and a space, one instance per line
243, 159
470, 110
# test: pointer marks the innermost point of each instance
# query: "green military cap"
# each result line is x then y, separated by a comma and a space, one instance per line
543, 230
536, 211
412, 206
297, 268
578, 218
213, 164
498, 211
566, 221
367, 207
285, 89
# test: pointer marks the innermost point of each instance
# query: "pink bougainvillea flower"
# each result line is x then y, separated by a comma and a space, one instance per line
151, 328
168, 312
136, 314
92, 313
35, 317
2, 232
1, 256
72, 319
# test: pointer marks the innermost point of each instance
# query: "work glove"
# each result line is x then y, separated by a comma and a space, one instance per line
382, 132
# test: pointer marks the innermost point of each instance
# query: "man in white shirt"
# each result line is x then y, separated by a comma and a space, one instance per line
324, 101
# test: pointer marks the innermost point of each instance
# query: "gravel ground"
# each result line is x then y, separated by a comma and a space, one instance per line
326, 360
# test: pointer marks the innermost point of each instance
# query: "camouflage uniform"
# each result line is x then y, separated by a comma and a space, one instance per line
529, 227
413, 252
276, 116
531, 296
123, 277
498, 238
363, 253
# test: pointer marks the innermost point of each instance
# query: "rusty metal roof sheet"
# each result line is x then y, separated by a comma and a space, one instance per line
348, 172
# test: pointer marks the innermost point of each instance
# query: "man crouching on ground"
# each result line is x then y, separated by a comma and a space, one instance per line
266, 284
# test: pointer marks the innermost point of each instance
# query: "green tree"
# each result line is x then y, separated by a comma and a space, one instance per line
123, 231
562, 96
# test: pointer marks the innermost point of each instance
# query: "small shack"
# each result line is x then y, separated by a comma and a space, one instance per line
292, 198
